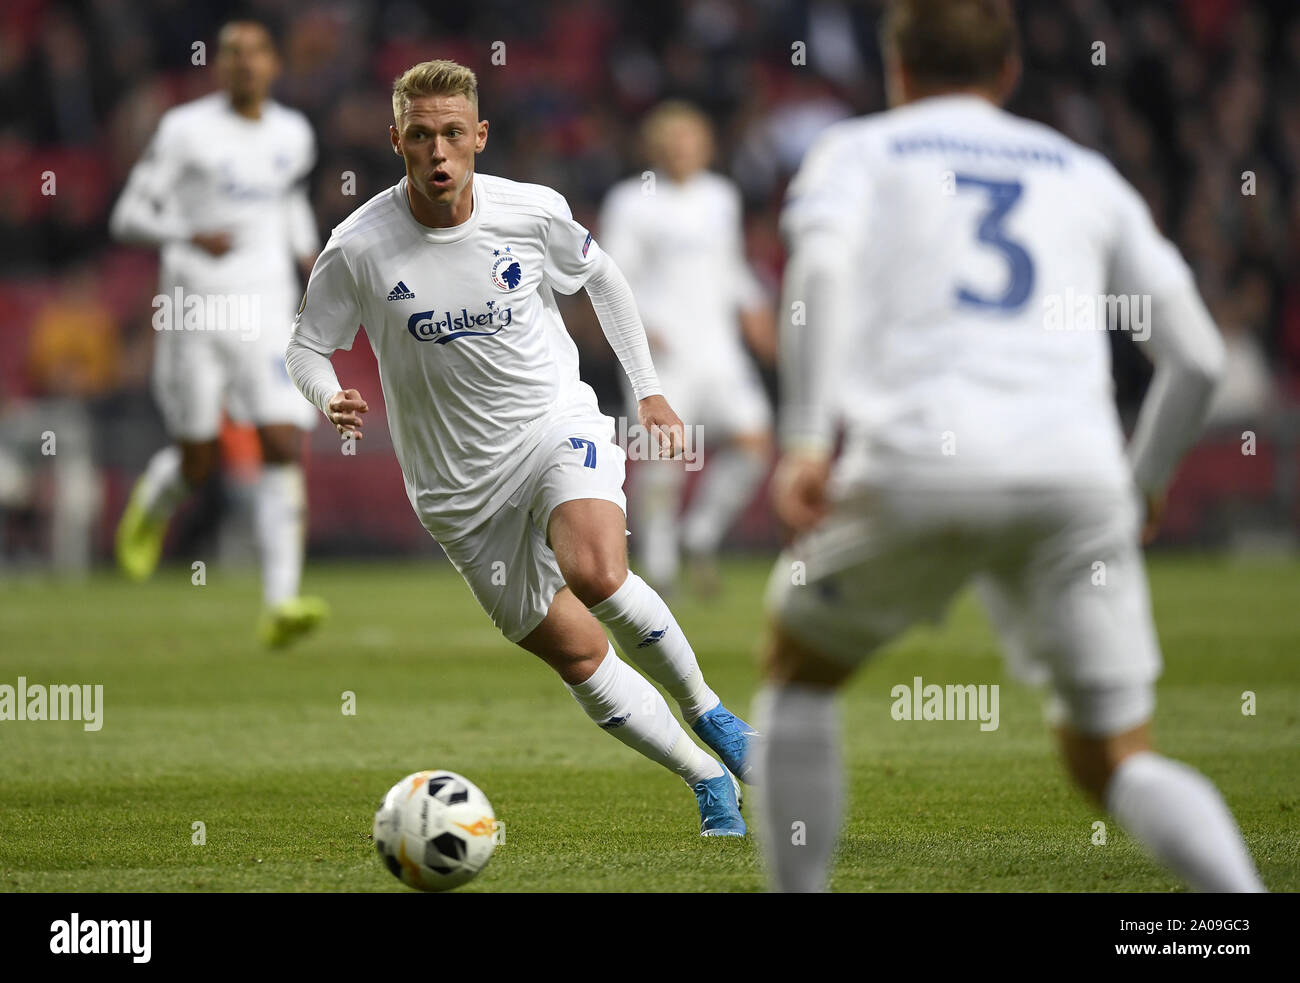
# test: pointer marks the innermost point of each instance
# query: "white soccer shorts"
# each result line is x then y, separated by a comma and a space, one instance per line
1058, 569
506, 561
229, 362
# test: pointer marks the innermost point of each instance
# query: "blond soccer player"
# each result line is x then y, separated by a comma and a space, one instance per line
678, 233
507, 460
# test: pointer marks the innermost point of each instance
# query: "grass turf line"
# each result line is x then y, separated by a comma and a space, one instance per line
201, 724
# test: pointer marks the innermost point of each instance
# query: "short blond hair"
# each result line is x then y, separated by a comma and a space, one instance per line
433, 78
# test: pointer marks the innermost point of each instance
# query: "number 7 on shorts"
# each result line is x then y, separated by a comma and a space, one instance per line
578, 443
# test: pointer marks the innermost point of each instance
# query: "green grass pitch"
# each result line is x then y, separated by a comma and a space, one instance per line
201, 725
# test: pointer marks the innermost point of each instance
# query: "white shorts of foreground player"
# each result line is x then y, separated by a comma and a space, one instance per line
506, 560
1058, 569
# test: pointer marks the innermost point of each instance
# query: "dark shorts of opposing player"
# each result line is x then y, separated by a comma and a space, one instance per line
1058, 569
506, 561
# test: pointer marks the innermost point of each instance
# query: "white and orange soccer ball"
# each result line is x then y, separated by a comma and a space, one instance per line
435, 830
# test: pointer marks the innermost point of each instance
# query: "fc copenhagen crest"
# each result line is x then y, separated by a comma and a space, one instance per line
506, 271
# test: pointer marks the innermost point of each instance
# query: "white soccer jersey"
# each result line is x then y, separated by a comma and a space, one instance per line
681, 247
473, 355
980, 243
209, 169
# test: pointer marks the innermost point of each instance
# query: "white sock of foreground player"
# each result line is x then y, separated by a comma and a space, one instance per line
279, 508
623, 703
649, 635
161, 486
800, 787
725, 488
1178, 815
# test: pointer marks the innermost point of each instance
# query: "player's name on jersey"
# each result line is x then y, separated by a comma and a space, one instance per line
188, 310
82, 702
939, 143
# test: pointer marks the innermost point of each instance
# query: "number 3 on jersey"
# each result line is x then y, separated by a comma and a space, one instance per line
1002, 197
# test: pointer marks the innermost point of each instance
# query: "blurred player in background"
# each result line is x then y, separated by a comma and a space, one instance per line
679, 236
929, 243
220, 193
507, 459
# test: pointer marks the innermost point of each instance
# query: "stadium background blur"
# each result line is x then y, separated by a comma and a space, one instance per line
1192, 95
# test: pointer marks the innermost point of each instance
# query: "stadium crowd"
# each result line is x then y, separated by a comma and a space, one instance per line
1197, 103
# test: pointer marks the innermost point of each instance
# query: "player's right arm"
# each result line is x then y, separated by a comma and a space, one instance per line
327, 321
1183, 344
146, 212
823, 212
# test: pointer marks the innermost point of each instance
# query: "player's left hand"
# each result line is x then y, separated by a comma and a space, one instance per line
345, 409
663, 424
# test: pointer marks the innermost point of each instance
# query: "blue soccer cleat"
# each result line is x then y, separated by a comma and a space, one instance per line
719, 811
730, 738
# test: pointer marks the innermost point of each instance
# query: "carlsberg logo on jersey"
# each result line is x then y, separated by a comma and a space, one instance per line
429, 326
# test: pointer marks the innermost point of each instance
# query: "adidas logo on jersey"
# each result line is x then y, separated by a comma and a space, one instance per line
401, 292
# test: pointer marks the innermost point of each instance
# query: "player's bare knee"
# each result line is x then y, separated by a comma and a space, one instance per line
594, 578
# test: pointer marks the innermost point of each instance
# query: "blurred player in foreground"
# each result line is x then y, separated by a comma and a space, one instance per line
678, 234
219, 192
507, 460
931, 244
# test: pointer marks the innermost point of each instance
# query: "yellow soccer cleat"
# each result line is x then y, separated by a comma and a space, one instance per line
139, 540
290, 620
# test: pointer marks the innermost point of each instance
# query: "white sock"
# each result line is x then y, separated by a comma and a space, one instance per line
649, 635
279, 511
625, 705
1177, 814
656, 495
800, 786
726, 487
162, 487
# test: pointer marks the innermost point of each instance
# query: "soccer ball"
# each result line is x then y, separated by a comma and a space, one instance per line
435, 830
